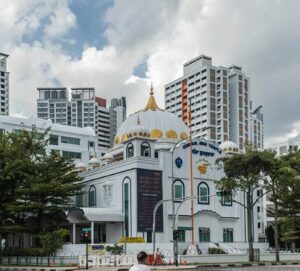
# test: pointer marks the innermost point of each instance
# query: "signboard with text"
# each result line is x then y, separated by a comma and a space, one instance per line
149, 192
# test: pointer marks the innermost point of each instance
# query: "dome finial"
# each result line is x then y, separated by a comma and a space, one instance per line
151, 105
151, 89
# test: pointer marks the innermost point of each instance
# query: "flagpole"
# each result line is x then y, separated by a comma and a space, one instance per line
191, 172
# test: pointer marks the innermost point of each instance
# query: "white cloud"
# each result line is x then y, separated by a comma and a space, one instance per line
260, 36
61, 20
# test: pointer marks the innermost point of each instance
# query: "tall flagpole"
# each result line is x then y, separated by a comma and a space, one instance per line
191, 172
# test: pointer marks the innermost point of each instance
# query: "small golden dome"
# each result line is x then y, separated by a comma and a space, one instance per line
171, 134
124, 137
155, 133
183, 135
117, 140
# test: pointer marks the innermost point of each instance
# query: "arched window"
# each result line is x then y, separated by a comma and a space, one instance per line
178, 190
145, 149
127, 206
203, 193
129, 150
92, 195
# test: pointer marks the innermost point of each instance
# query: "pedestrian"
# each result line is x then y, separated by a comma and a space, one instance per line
142, 263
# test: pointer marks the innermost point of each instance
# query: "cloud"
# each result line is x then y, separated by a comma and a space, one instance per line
260, 36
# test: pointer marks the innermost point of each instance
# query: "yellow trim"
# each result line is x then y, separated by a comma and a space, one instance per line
171, 134
155, 133
117, 140
124, 137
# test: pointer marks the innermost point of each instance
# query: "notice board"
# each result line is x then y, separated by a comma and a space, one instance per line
149, 192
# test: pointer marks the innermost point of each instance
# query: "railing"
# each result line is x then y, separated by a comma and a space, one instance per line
40, 261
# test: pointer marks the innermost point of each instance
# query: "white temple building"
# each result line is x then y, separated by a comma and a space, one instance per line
150, 161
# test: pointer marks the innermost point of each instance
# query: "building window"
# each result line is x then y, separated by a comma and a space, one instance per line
259, 193
79, 201
53, 140
203, 193
226, 200
204, 235
258, 225
178, 190
129, 150
72, 155
92, 196
181, 236
228, 235
145, 149
126, 208
70, 140
156, 154
149, 236
258, 209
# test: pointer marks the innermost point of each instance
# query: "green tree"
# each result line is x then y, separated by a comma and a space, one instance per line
270, 233
281, 174
289, 204
53, 241
246, 172
36, 185
17, 151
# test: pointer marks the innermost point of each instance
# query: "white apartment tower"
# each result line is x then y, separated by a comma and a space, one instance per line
117, 112
83, 107
102, 126
219, 98
256, 127
83, 110
4, 85
52, 103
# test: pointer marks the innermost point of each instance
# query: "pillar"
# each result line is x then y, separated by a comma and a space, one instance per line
92, 232
74, 233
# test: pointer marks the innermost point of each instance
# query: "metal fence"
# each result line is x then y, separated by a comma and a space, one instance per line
40, 261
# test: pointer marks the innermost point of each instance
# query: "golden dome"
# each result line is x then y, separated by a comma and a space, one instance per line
159, 123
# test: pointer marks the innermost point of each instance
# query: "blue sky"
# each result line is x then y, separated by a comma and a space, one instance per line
119, 46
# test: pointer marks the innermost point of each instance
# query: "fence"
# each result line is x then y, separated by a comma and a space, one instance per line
40, 261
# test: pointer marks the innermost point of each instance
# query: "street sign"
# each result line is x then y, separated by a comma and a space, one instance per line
86, 229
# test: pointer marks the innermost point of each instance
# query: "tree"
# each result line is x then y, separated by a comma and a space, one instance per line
17, 151
269, 231
289, 204
246, 172
281, 174
36, 185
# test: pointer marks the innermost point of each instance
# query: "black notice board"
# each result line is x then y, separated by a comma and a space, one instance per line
149, 192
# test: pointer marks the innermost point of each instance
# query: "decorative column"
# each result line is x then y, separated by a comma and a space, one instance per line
74, 233
92, 232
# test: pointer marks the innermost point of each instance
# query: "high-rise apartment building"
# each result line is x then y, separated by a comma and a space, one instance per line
117, 113
4, 85
256, 127
52, 103
219, 99
83, 110
102, 126
83, 107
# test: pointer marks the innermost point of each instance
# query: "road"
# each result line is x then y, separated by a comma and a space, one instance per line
254, 268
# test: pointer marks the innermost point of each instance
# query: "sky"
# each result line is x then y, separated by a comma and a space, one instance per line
119, 47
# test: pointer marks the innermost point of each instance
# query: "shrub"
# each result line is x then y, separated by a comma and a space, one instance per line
216, 250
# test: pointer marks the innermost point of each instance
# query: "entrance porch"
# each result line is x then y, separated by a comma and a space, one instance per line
100, 225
